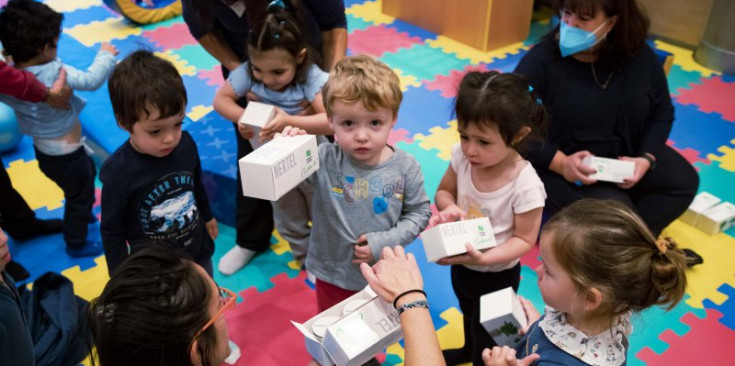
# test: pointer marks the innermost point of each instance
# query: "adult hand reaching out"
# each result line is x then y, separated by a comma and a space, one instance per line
396, 273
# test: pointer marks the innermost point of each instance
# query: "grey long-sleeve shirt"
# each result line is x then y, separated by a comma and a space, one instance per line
387, 202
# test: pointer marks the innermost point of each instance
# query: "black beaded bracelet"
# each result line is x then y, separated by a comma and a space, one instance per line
395, 301
411, 305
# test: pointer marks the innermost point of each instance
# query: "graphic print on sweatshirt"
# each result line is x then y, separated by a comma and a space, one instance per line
356, 189
168, 211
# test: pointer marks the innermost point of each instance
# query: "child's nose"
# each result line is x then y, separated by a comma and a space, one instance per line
571, 19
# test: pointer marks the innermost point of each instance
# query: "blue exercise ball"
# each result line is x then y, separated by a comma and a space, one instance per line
9, 134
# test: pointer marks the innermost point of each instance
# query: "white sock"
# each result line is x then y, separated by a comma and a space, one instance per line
310, 276
234, 260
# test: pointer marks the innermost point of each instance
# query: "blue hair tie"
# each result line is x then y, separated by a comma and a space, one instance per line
277, 36
276, 4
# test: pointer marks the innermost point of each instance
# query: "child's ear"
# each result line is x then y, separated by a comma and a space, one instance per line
301, 56
194, 356
592, 299
522, 133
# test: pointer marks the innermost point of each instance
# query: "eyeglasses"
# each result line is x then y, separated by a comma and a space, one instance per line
227, 301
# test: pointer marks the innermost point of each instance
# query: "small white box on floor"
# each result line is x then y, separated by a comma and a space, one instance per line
449, 239
610, 170
257, 114
355, 330
278, 166
717, 219
502, 315
702, 202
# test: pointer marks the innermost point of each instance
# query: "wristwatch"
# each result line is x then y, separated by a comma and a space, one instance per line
651, 159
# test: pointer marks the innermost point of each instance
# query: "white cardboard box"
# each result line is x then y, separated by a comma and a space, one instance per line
610, 170
449, 239
701, 203
257, 114
717, 219
356, 337
502, 315
279, 165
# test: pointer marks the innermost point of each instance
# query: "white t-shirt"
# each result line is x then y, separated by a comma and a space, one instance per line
523, 194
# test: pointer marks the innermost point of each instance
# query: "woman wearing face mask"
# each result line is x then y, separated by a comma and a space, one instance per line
607, 96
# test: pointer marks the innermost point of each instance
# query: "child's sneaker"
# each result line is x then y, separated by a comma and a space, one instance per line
88, 249
234, 260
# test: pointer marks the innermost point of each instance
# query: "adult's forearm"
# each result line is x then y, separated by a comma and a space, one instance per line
422, 346
334, 46
220, 50
20, 84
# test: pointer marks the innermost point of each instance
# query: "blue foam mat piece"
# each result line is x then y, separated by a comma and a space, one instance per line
423, 109
704, 132
85, 16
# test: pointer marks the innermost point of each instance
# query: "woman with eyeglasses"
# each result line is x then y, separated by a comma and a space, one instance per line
160, 309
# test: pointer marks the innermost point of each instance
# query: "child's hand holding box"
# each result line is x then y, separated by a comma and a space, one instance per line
449, 239
502, 315
278, 166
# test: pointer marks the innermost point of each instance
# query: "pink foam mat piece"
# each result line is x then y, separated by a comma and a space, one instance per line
397, 135
448, 84
530, 259
261, 326
707, 343
712, 95
173, 37
213, 76
377, 40
691, 155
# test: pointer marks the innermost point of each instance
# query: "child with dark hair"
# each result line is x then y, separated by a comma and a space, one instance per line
600, 264
160, 308
497, 115
29, 32
152, 184
280, 73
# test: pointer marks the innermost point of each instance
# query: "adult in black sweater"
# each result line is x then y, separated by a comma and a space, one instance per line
610, 100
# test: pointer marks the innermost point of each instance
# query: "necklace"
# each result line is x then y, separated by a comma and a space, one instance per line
597, 81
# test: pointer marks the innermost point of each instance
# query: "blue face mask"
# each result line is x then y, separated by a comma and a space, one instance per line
573, 40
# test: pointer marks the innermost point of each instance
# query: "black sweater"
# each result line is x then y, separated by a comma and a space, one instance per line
632, 116
145, 197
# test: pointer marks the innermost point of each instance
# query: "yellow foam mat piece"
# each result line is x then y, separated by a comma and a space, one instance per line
475, 56
406, 80
685, 59
718, 252
198, 112
88, 284
451, 335
370, 11
441, 139
103, 31
397, 350
66, 6
34, 186
181, 65
727, 160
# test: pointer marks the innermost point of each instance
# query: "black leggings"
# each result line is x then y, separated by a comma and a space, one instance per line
469, 286
660, 197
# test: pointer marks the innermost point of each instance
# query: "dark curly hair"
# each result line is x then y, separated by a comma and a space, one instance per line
26, 27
